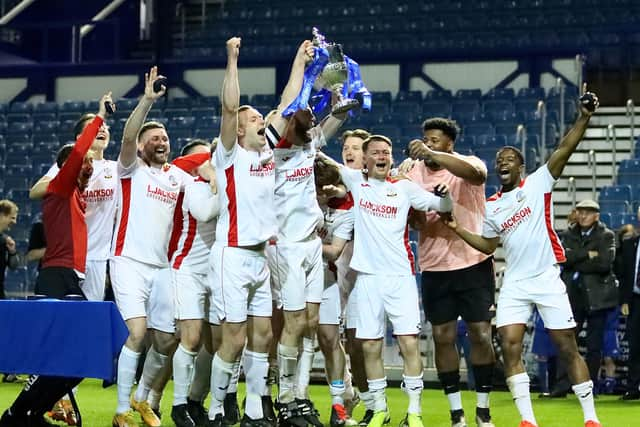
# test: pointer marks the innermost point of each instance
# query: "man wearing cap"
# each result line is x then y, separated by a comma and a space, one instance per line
591, 284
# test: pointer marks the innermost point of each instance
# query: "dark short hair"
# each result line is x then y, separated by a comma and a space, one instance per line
148, 126
372, 138
7, 207
448, 127
358, 133
78, 127
517, 152
193, 143
63, 154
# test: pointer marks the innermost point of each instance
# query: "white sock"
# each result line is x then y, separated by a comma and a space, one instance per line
257, 368
303, 372
336, 390
413, 386
367, 399
377, 390
183, 361
349, 392
584, 391
127, 364
201, 376
482, 400
519, 388
455, 401
154, 399
153, 364
287, 361
233, 383
221, 372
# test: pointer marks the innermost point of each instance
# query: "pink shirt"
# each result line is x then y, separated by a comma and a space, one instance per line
440, 249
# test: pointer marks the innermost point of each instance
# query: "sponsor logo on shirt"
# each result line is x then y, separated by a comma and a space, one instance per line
375, 209
515, 220
520, 196
98, 195
262, 170
299, 174
161, 195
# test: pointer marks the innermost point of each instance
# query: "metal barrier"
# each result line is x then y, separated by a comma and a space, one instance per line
611, 138
560, 86
579, 63
521, 138
571, 191
631, 113
541, 112
592, 165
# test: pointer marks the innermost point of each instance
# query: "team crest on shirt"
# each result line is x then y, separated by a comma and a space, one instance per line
166, 167
520, 196
391, 193
173, 181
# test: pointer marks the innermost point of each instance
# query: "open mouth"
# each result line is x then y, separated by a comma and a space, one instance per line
381, 165
160, 151
101, 136
504, 173
261, 131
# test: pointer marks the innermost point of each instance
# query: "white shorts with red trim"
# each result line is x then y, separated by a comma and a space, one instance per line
546, 291
191, 294
297, 273
162, 302
329, 313
239, 284
395, 296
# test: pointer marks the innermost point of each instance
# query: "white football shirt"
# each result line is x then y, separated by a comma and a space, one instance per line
246, 189
297, 209
523, 219
102, 202
338, 222
381, 234
148, 198
198, 213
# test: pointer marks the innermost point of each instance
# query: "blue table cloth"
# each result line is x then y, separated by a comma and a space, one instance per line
63, 338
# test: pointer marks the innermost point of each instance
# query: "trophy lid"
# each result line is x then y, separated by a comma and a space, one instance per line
318, 38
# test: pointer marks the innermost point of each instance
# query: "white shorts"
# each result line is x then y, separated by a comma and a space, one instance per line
351, 312
131, 282
95, 278
191, 293
297, 273
239, 283
395, 296
161, 302
546, 291
329, 313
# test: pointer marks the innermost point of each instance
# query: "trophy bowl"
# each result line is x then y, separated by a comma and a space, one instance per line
334, 75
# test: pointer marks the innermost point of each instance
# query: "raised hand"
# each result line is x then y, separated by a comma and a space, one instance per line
588, 101
308, 50
102, 105
441, 190
149, 79
11, 245
233, 47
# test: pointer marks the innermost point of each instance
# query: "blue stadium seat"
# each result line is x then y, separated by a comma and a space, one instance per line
435, 94
390, 131
465, 106
464, 144
626, 177
414, 96
615, 206
264, 99
531, 93
629, 165
490, 190
179, 102
406, 107
478, 129
73, 107
436, 108
20, 107
498, 105
19, 118
382, 97
605, 217
615, 192
126, 104
490, 141
501, 93
176, 112
469, 94
206, 133
46, 127
16, 183
617, 220
19, 129
44, 117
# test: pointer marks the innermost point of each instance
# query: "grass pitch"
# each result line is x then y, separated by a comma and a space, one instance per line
98, 404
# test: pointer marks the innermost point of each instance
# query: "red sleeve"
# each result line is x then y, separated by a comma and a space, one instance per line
190, 162
65, 182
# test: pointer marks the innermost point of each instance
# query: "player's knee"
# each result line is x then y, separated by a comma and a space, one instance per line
295, 322
327, 339
480, 336
444, 334
371, 348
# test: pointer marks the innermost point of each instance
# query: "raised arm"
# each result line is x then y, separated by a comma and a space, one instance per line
468, 168
294, 85
129, 147
39, 188
230, 96
481, 243
559, 158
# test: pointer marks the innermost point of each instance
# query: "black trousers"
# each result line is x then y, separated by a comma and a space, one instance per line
596, 322
42, 392
633, 337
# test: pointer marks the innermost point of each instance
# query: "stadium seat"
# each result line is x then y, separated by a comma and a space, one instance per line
617, 220
478, 129
490, 190
78, 107
615, 193
414, 96
490, 141
20, 108
436, 108
615, 206
500, 93
435, 94
468, 94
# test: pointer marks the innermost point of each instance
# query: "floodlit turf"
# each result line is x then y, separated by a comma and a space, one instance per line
98, 404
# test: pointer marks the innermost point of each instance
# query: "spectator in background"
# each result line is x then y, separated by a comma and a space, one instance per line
630, 299
8, 254
37, 242
591, 284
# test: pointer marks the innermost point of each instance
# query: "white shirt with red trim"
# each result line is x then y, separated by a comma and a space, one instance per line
199, 210
338, 222
381, 233
147, 200
522, 218
297, 209
102, 203
246, 184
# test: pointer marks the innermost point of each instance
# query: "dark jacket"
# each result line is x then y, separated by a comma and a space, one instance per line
6, 260
593, 274
628, 268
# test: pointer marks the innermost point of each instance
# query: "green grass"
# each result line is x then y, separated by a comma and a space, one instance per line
98, 404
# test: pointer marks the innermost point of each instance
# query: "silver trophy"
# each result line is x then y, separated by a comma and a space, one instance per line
334, 75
